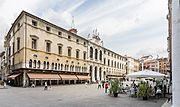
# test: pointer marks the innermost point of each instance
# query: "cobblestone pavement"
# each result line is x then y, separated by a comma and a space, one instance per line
69, 96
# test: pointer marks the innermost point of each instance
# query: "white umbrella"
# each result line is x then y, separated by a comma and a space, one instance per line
146, 73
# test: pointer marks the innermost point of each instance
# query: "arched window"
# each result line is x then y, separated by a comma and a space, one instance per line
67, 68
61, 66
52, 66
30, 63
76, 69
100, 71
44, 65
39, 64
95, 73
56, 66
100, 55
96, 54
112, 63
47, 65
118, 65
34, 63
73, 68
82, 69
91, 52
79, 68
115, 64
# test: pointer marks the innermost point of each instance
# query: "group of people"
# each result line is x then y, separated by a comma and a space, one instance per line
156, 90
103, 84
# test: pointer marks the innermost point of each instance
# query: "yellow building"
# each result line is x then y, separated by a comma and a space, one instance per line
39, 51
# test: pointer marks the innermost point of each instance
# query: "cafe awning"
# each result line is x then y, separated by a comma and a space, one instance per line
83, 77
68, 77
13, 76
36, 76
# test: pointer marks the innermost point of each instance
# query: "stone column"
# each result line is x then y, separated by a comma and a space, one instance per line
24, 79
176, 52
41, 82
93, 74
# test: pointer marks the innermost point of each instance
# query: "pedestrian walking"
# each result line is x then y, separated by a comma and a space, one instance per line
5, 85
86, 84
99, 85
106, 87
32, 85
46, 87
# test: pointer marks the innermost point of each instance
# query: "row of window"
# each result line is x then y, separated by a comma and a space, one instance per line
114, 64
35, 23
60, 46
56, 66
114, 55
95, 54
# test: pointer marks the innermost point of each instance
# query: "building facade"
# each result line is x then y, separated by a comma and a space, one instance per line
133, 65
163, 65
2, 65
152, 64
39, 51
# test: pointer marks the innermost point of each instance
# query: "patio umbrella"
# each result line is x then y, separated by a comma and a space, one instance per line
146, 73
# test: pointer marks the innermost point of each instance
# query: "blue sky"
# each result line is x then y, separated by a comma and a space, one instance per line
128, 27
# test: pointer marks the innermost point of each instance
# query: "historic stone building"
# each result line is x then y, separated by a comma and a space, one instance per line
133, 65
163, 65
2, 65
39, 51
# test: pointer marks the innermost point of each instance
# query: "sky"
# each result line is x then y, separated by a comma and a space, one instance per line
128, 27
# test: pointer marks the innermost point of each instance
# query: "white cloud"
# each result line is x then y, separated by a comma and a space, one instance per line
120, 23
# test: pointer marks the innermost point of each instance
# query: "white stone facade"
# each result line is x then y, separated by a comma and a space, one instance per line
35, 44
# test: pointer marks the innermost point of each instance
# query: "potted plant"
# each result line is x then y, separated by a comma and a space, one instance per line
144, 90
114, 88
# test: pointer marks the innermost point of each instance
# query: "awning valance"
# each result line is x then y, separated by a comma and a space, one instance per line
13, 76
68, 77
83, 77
114, 77
36, 76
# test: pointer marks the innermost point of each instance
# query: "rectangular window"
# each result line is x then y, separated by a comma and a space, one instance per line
10, 51
34, 23
77, 40
104, 61
84, 56
69, 37
59, 33
18, 43
48, 28
34, 44
60, 50
77, 53
69, 51
13, 47
48, 47
84, 43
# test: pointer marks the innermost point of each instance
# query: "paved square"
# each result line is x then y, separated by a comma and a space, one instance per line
69, 96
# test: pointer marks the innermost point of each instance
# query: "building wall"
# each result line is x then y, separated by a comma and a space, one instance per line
27, 28
163, 65
133, 65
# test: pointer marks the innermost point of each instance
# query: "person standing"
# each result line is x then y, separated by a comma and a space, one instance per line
4, 84
106, 87
99, 85
45, 88
86, 84
165, 90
